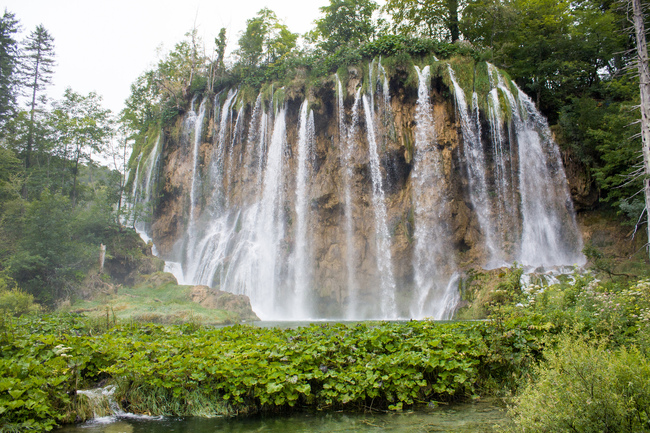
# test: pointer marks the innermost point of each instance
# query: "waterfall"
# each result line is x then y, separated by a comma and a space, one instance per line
302, 262
549, 233
196, 176
346, 140
384, 257
270, 230
234, 163
149, 177
252, 148
192, 234
152, 162
505, 182
369, 215
132, 215
218, 162
196, 266
432, 262
476, 169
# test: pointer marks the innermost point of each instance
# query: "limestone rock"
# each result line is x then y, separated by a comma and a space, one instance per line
216, 299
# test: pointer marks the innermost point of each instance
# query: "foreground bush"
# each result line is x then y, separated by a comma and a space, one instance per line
582, 387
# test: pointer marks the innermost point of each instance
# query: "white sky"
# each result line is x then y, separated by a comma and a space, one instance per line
104, 45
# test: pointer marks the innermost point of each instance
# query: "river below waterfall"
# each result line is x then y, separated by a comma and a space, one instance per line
487, 415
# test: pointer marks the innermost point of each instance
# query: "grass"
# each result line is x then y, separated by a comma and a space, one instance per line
157, 299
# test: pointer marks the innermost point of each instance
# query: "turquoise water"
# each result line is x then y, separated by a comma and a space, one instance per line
480, 416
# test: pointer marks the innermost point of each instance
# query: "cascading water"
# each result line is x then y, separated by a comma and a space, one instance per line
233, 161
133, 213
346, 140
196, 176
476, 169
302, 262
384, 261
152, 162
549, 234
505, 182
380, 226
432, 266
192, 233
146, 199
218, 159
270, 230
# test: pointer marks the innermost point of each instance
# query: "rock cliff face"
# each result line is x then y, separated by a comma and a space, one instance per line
364, 196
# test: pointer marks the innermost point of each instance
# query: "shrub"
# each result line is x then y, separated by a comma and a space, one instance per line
582, 387
15, 302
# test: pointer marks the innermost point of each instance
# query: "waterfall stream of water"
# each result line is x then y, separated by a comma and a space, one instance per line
258, 203
382, 241
302, 262
431, 262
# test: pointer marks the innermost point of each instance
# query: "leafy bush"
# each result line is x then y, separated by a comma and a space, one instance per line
582, 387
15, 302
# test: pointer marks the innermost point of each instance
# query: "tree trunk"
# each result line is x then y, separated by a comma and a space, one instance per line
644, 84
32, 111
452, 23
74, 182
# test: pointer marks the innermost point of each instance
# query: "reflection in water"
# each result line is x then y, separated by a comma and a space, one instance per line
483, 416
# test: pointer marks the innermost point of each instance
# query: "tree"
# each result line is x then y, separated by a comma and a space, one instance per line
265, 39
118, 151
426, 18
487, 22
221, 48
174, 76
142, 107
9, 62
345, 23
644, 87
555, 50
218, 66
83, 126
38, 63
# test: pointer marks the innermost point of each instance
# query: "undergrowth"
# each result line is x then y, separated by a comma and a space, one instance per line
196, 370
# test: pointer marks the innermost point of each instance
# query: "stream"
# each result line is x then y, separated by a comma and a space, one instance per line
485, 415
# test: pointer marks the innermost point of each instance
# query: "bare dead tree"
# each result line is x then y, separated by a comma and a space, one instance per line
644, 85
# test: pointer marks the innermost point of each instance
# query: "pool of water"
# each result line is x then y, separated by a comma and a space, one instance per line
480, 416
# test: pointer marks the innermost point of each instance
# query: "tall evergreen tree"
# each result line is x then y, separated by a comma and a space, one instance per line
38, 67
9, 62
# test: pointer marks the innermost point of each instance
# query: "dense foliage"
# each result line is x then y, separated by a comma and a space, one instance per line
586, 387
191, 370
589, 336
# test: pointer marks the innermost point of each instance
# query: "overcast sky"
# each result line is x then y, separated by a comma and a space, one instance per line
104, 45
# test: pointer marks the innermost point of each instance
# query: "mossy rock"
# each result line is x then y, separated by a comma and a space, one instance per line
219, 300
128, 257
156, 279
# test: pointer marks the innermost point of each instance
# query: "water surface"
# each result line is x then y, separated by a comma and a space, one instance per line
482, 416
